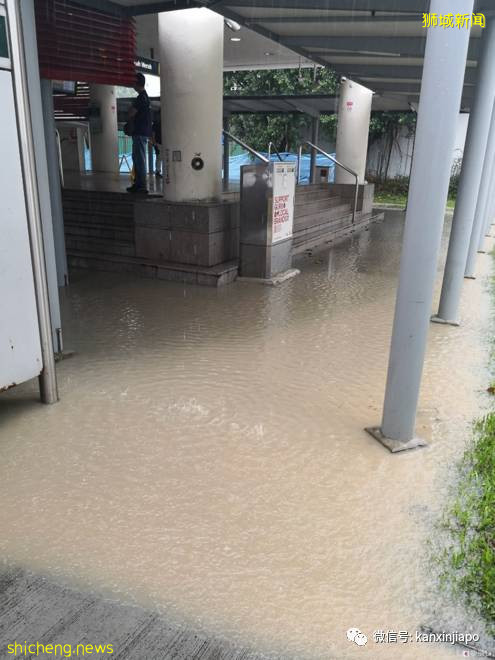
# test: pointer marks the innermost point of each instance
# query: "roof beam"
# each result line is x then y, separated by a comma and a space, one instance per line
397, 6
399, 46
161, 6
330, 18
393, 71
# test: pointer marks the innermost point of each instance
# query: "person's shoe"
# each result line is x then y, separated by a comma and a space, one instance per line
137, 189
159, 175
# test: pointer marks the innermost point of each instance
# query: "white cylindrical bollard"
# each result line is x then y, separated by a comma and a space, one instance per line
191, 59
104, 137
353, 130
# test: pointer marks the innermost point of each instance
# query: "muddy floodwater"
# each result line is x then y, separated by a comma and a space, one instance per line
208, 459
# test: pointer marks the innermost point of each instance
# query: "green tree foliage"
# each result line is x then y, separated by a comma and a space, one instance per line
283, 130
389, 126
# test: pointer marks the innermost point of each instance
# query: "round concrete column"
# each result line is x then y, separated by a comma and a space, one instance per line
104, 139
352, 130
191, 60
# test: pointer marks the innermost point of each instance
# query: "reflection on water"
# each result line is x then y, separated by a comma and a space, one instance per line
208, 458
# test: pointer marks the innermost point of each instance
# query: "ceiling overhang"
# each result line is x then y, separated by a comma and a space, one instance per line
379, 43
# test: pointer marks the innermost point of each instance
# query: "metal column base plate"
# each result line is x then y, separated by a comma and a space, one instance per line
394, 445
437, 319
272, 281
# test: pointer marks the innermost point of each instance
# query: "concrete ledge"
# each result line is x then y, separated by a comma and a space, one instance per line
193, 233
437, 319
392, 445
272, 281
215, 276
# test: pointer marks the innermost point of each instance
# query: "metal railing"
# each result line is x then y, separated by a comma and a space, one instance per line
59, 154
339, 164
246, 146
275, 150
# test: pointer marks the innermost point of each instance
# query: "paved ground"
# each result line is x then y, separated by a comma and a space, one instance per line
34, 609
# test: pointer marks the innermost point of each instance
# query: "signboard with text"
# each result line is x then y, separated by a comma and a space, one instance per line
284, 188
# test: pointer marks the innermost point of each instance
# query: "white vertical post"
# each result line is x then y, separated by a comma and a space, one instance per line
48, 377
469, 183
353, 129
489, 211
479, 216
105, 140
48, 213
191, 57
53, 161
445, 61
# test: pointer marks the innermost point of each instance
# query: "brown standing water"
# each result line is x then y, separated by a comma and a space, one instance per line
208, 456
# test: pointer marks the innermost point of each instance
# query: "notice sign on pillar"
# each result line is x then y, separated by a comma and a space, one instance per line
284, 187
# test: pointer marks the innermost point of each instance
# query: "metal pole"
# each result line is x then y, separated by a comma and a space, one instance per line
444, 60
226, 152
53, 160
314, 139
48, 377
469, 184
298, 169
479, 216
150, 158
488, 212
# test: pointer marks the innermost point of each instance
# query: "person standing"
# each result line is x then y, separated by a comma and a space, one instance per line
140, 120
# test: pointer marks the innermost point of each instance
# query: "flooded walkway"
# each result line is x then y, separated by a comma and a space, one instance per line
208, 461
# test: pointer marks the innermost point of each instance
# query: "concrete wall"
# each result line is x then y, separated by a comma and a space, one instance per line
401, 158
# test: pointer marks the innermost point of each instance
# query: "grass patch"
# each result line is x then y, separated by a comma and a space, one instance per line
394, 191
383, 197
467, 562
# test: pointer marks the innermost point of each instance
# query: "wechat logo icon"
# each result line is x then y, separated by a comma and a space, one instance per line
356, 636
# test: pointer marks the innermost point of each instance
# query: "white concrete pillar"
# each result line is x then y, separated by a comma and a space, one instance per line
480, 214
469, 183
445, 61
104, 137
191, 62
352, 130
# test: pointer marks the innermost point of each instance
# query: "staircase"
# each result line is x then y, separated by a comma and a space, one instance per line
321, 216
99, 223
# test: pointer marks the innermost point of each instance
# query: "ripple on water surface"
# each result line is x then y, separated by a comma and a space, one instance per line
207, 456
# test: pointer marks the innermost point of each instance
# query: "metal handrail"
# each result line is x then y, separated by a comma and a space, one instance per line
344, 167
245, 146
59, 154
275, 150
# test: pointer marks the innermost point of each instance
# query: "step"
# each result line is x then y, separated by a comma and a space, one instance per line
302, 244
92, 206
100, 246
104, 231
215, 276
321, 193
321, 217
94, 217
306, 208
